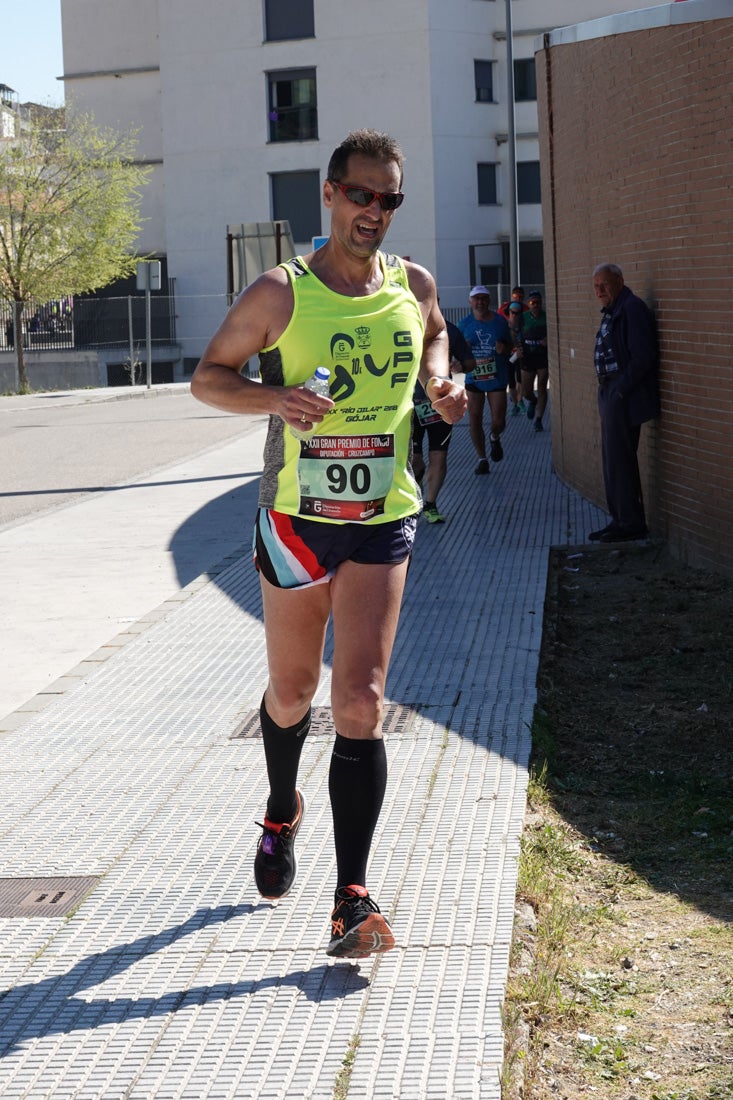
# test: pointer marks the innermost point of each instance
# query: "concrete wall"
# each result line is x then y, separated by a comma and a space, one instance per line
112, 70
637, 153
78, 370
54, 370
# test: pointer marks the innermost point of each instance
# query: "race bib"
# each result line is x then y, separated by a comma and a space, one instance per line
426, 414
485, 369
345, 477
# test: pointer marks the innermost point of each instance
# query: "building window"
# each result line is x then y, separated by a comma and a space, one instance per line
296, 197
288, 19
484, 81
531, 266
487, 184
490, 274
525, 80
528, 182
292, 108
532, 263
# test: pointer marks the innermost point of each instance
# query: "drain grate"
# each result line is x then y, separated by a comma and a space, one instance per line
43, 897
398, 720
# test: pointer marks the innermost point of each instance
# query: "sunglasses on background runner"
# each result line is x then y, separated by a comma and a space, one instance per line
362, 196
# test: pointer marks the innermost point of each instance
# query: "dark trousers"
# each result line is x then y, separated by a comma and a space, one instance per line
620, 443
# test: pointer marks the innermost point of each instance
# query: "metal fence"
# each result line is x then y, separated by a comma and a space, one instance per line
97, 323
89, 323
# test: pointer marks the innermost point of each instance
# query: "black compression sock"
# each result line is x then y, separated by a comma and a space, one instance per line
357, 780
283, 746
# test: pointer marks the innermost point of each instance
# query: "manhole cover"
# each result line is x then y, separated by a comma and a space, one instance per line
397, 721
43, 897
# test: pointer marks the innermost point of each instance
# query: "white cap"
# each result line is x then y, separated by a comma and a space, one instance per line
479, 290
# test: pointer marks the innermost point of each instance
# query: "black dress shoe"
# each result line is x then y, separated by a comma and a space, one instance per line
623, 534
596, 536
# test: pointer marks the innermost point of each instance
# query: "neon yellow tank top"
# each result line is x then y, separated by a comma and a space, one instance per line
355, 468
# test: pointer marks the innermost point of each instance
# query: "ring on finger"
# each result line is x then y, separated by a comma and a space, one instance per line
302, 419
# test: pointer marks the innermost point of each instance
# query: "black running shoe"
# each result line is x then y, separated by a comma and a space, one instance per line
275, 864
358, 928
497, 451
483, 466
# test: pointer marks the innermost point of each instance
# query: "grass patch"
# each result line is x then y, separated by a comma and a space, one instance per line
621, 983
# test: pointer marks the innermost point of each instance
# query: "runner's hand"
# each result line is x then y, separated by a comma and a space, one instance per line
447, 398
301, 408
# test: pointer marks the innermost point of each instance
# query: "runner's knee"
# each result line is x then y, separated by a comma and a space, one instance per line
357, 710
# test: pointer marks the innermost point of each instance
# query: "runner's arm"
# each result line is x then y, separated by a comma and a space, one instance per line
255, 321
447, 396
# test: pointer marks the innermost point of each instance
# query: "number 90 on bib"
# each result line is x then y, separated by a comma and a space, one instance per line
345, 478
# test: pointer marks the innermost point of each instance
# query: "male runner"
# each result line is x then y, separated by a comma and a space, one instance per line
488, 335
337, 512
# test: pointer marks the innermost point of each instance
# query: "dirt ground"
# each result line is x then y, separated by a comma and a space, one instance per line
635, 727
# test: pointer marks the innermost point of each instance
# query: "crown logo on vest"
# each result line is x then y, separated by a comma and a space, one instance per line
363, 336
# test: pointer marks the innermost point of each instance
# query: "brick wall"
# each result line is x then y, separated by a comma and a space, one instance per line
636, 147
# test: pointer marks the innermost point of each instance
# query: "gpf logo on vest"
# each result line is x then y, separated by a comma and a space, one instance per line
341, 345
399, 363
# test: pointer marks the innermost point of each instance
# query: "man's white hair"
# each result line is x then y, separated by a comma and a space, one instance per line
612, 269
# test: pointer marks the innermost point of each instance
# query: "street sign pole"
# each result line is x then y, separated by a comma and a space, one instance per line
131, 338
148, 340
148, 278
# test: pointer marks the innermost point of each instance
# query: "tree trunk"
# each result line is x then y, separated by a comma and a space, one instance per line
21, 377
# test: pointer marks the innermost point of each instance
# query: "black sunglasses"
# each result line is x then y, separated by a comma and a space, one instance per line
362, 196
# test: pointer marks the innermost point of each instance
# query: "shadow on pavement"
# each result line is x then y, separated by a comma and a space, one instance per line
208, 535
50, 1006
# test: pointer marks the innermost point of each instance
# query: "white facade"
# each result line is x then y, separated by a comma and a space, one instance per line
192, 76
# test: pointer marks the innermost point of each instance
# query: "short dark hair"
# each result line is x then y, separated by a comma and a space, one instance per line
366, 143
518, 290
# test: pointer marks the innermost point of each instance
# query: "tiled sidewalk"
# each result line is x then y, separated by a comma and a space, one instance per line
172, 978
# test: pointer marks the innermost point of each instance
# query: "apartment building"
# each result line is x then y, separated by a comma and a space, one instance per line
239, 103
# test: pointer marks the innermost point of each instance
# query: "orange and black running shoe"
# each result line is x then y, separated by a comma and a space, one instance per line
358, 928
275, 864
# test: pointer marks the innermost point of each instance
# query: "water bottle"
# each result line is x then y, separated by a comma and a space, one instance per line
317, 383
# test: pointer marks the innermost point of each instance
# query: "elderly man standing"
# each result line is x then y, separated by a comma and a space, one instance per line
626, 362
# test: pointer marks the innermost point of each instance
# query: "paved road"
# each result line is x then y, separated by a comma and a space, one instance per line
108, 507
55, 449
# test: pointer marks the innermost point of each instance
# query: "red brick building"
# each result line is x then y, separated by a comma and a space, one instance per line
636, 139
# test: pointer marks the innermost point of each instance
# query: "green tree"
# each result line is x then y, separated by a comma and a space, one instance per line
69, 214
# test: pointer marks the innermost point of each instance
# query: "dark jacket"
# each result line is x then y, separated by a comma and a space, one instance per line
634, 340
459, 347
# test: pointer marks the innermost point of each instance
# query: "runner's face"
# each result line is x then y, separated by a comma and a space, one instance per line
361, 229
481, 306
